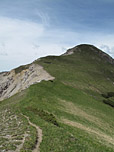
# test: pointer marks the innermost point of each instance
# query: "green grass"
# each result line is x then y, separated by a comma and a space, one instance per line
47, 96
70, 109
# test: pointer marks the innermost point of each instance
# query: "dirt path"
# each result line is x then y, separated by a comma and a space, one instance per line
39, 135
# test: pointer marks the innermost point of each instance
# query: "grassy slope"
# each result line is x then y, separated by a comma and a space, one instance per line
70, 110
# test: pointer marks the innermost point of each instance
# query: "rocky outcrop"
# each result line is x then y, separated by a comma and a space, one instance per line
12, 82
71, 51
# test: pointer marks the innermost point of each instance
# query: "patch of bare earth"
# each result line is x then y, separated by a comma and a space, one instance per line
76, 110
108, 140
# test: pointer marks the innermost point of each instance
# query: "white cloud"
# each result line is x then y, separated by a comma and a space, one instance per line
16, 39
44, 17
18, 35
3, 50
23, 42
108, 49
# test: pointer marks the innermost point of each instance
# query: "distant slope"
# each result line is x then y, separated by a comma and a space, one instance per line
70, 109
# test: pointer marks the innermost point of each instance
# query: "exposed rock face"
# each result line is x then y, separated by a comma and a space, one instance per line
12, 83
72, 51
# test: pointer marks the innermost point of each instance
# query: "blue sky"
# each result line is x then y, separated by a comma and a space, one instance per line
30, 29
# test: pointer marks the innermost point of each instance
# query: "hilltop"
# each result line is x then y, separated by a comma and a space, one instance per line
92, 50
69, 97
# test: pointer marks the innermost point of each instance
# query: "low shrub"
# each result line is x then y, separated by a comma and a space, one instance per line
109, 102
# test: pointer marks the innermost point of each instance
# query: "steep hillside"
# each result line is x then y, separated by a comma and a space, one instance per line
70, 111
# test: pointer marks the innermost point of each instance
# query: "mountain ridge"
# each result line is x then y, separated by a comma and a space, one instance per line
80, 49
